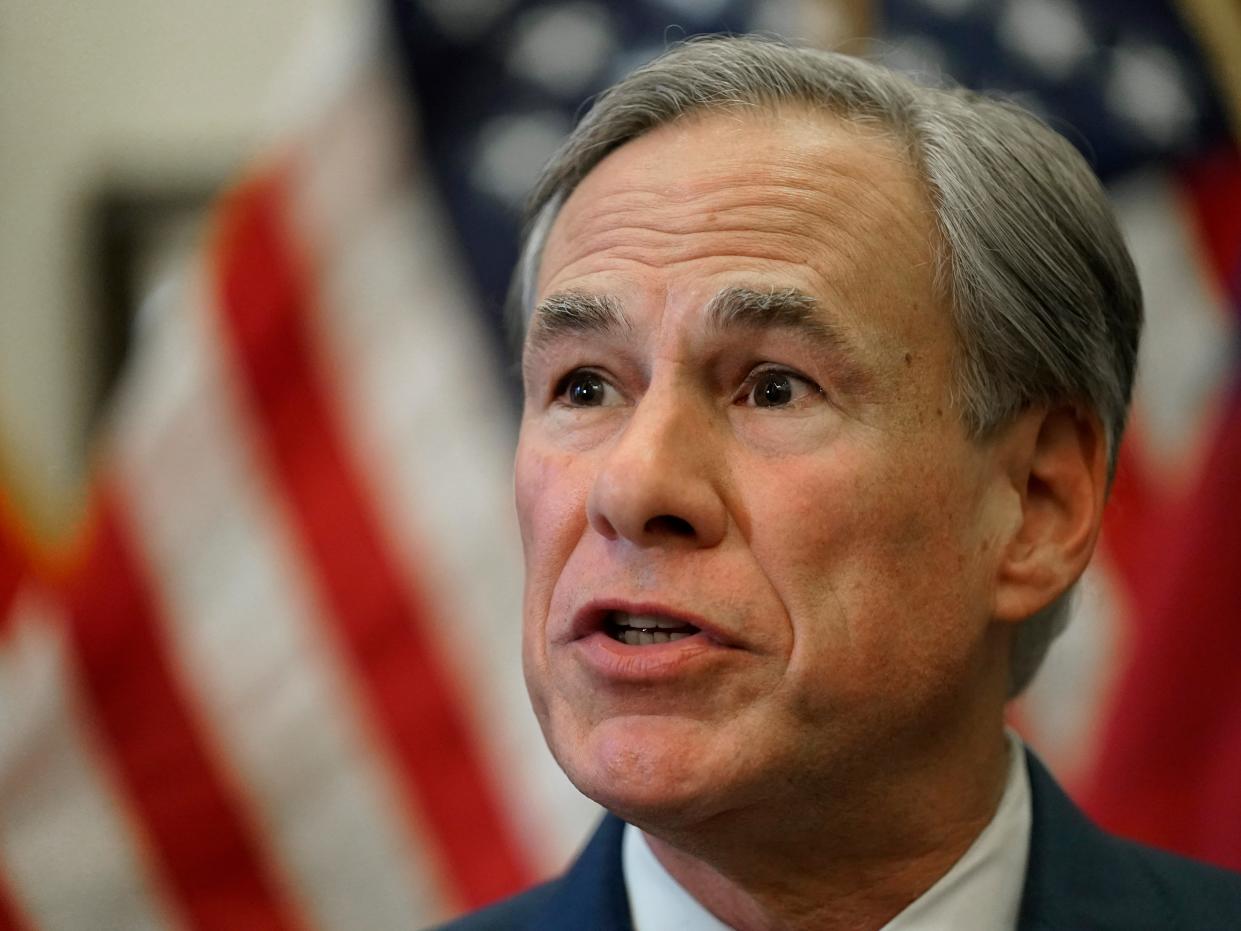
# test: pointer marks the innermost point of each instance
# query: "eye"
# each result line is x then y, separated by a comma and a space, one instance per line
584, 388
773, 387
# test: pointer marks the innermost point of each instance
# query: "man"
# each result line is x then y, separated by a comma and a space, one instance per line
825, 375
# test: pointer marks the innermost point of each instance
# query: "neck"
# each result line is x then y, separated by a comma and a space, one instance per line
855, 861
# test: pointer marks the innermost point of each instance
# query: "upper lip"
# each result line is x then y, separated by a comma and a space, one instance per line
591, 616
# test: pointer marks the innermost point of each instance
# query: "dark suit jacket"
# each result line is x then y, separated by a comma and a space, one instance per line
1078, 879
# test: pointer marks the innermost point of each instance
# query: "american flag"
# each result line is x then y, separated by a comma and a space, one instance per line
274, 683
1139, 708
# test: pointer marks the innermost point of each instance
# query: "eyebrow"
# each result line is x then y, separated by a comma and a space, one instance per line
746, 308
737, 307
573, 313
740, 307
565, 312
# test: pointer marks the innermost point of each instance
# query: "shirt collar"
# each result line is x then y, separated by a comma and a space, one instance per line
982, 891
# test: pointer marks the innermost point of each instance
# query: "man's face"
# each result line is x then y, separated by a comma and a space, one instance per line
760, 550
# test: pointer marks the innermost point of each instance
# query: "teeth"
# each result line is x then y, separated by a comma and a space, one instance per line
647, 622
642, 637
642, 630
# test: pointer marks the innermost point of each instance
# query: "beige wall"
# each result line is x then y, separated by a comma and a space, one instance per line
129, 89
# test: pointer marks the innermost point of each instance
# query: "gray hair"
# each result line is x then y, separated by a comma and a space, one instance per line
1045, 300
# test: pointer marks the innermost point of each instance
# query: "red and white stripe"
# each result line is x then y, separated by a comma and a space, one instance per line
247, 625
284, 665
421, 394
1104, 710
1184, 367
73, 852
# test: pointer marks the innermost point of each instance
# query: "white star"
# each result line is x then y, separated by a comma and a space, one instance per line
1147, 90
562, 48
511, 150
463, 20
1048, 33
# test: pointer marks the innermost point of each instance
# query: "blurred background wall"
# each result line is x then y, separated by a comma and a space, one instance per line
133, 105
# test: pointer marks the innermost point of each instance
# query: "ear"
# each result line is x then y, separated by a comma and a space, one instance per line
1057, 462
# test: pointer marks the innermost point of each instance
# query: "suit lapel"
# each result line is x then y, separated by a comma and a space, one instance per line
592, 895
1077, 875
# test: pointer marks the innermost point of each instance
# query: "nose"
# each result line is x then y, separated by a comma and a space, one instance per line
659, 483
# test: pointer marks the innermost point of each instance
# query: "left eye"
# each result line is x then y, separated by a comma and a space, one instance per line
585, 388
778, 388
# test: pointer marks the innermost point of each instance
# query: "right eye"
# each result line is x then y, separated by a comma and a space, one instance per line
585, 388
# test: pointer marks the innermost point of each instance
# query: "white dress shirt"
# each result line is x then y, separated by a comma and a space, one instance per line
982, 891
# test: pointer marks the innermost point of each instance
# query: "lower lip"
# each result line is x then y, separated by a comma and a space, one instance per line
622, 662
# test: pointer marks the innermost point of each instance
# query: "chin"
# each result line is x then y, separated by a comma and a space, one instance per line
649, 770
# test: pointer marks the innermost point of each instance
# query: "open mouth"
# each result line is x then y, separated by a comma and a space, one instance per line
645, 629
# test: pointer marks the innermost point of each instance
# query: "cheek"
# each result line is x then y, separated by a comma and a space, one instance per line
867, 554
551, 514
551, 498
551, 490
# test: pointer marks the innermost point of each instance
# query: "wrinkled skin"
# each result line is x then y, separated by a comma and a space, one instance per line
804, 494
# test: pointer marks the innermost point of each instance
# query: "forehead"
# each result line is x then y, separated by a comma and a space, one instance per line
783, 198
